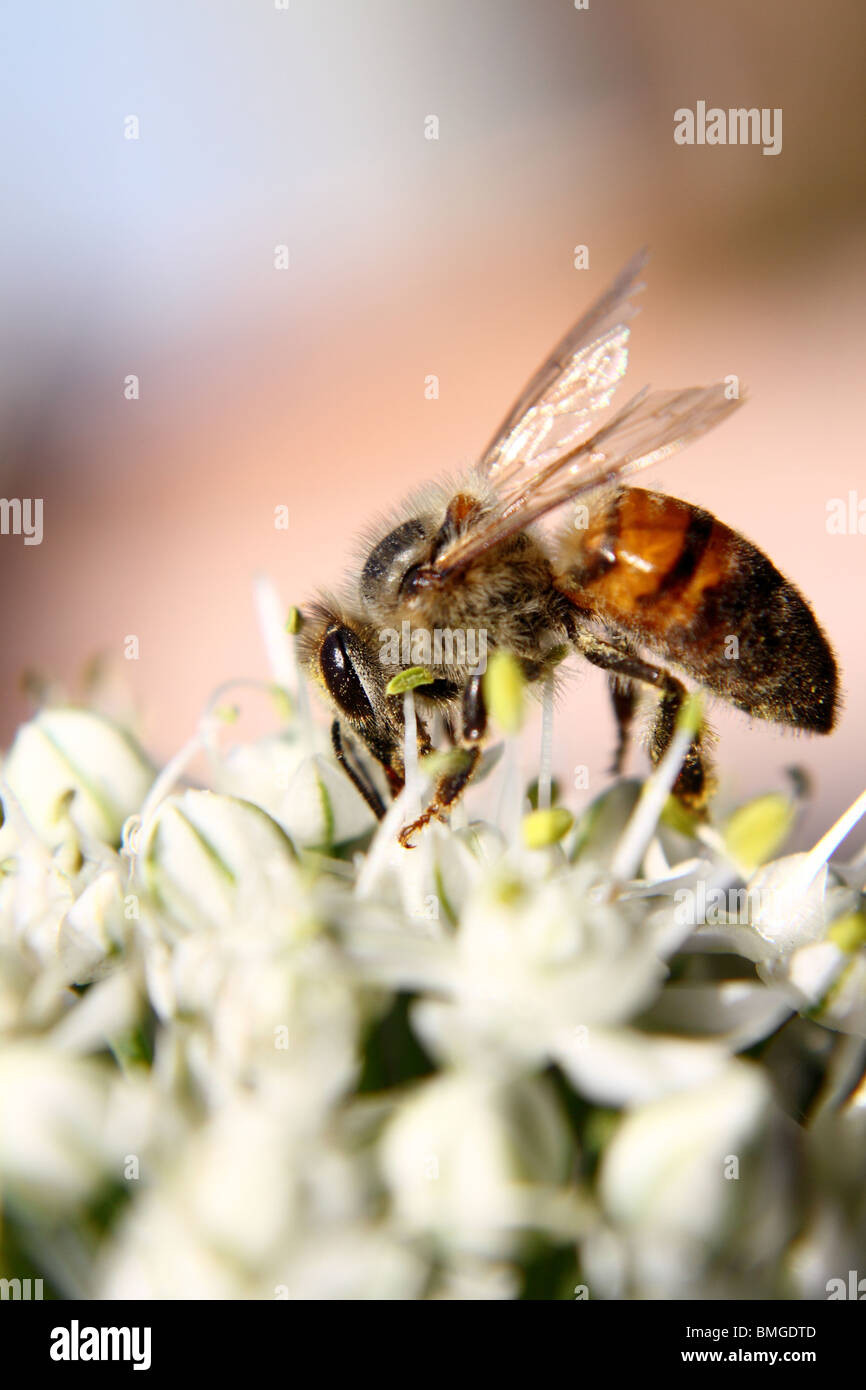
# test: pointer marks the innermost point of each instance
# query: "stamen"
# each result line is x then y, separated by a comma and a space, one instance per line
545, 770
655, 792
817, 857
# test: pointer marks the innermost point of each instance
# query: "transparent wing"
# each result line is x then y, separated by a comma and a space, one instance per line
650, 427
556, 407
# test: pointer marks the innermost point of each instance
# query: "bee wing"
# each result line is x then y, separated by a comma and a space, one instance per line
650, 427
556, 407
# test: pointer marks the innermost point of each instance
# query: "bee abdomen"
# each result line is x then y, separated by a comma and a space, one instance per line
684, 585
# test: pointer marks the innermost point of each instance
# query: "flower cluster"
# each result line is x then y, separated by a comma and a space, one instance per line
250, 1047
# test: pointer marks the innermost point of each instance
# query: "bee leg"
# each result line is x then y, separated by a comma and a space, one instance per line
448, 790
624, 698
474, 710
623, 694
451, 787
341, 657
365, 787
694, 784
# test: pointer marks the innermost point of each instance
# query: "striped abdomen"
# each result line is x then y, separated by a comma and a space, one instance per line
680, 583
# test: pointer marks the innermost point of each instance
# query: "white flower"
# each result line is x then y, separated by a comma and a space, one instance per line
305, 793
470, 1160
321, 1066
52, 1108
207, 858
670, 1179
93, 929
69, 767
538, 962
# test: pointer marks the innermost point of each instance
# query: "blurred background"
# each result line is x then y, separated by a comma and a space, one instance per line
304, 126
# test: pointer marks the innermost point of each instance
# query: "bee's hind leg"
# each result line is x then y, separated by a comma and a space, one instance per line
624, 695
695, 782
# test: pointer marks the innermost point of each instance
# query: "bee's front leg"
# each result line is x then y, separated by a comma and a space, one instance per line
449, 789
340, 654
354, 772
453, 783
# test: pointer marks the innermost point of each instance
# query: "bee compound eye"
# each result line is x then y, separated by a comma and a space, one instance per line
409, 584
340, 674
386, 565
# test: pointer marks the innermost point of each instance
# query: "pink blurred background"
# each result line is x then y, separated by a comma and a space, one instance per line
407, 257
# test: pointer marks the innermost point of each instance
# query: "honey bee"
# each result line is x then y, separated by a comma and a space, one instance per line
634, 575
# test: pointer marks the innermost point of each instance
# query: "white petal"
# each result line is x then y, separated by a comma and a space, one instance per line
665, 1167
737, 1012
73, 750
624, 1067
209, 858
